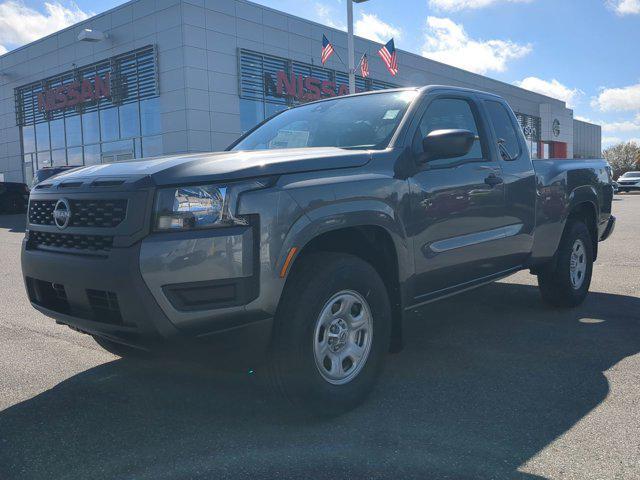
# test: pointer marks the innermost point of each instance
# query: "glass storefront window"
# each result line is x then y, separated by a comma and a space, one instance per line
90, 127
109, 124
28, 173
92, 154
28, 139
273, 108
121, 146
129, 120
42, 136
57, 133
73, 130
152, 146
150, 117
59, 157
44, 159
251, 113
74, 156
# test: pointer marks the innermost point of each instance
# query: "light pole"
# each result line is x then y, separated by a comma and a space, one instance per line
350, 48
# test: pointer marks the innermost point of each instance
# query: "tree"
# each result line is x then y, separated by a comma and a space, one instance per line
623, 157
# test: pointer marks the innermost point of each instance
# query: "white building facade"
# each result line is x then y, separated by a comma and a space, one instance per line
175, 76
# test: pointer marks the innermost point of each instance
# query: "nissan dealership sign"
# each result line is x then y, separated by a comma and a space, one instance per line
74, 93
302, 88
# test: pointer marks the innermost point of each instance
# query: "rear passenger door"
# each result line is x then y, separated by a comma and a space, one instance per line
456, 204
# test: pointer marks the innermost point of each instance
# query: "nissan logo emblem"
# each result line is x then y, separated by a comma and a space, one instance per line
62, 213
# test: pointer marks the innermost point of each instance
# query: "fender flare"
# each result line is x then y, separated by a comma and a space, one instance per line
341, 215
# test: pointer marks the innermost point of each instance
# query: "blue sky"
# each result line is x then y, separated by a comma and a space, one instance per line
582, 51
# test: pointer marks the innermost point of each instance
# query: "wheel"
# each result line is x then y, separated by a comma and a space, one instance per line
331, 334
119, 349
568, 283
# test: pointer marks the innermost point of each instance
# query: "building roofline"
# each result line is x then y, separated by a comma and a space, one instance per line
280, 12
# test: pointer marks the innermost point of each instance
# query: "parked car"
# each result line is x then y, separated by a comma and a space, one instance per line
13, 197
315, 235
629, 182
47, 172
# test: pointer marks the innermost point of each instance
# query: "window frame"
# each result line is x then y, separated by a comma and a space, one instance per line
477, 116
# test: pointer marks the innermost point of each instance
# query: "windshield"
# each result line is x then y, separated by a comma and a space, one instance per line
359, 122
631, 174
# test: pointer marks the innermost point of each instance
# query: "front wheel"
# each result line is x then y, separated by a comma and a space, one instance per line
567, 284
331, 334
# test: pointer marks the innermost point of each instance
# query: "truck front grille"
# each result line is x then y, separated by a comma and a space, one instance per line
86, 243
84, 213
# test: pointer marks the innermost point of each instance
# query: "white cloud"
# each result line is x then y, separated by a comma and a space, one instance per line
618, 99
448, 42
457, 5
552, 88
2, 50
608, 141
621, 127
583, 119
20, 24
327, 16
371, 27
625, 7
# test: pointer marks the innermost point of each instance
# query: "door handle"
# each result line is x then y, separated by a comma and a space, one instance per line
493, 180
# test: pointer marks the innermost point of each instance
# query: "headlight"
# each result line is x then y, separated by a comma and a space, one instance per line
200, 206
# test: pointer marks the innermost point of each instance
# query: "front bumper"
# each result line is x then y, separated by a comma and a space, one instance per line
151, 293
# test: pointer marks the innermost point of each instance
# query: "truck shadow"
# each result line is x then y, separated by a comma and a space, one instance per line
13, 223
485, 382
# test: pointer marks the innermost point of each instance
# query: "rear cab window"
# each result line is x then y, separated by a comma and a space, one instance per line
506, 135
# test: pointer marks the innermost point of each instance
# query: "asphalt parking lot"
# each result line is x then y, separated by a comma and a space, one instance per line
491, 384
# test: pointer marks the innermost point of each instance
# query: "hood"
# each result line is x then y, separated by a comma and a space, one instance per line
205, 167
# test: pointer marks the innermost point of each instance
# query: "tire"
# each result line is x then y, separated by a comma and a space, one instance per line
567, 284
119, 349
305, 346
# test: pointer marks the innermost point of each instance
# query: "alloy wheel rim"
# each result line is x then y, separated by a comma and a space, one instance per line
578, 264
342, 337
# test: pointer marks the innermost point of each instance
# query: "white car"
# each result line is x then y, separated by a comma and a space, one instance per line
629, 181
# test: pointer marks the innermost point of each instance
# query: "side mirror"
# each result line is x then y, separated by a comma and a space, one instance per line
442, 144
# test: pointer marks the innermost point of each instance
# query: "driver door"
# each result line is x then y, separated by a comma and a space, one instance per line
457, 204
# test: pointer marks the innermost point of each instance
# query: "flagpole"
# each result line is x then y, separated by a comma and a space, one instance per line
350, 48
352, 54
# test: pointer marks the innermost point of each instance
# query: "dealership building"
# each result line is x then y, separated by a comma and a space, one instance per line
154, 77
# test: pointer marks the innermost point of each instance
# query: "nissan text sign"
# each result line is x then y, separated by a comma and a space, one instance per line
303, 89
72, 94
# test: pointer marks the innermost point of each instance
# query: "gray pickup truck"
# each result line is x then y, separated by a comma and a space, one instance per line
315, 234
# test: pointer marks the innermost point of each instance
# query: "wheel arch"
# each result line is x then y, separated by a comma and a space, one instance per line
372, 235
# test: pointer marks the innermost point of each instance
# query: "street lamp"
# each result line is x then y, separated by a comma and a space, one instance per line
352, 59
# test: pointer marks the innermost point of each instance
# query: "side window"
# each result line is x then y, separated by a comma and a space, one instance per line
508, 142
449, 113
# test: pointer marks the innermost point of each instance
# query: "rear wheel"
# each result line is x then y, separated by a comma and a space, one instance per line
567, 283
331, 334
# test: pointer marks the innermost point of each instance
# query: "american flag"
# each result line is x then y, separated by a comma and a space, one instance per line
327, 49
364, 66
390, 57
